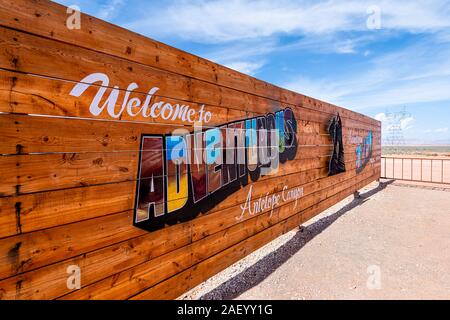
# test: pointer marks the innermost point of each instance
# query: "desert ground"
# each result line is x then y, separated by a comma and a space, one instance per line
390, 243
426, 151
418, 163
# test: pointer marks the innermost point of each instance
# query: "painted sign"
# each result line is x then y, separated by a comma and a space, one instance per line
181, 175
134, 106
90, 156
364, 152
269, 200
337, 161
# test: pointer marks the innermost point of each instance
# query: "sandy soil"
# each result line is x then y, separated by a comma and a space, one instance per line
392, 243
442, 151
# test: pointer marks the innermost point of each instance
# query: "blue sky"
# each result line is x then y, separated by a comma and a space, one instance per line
369, 56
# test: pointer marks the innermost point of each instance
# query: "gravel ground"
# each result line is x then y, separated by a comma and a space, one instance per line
388, 233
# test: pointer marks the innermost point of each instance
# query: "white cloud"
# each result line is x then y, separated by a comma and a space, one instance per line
245, 67
381, 117
235, 55
415, 74
109, 10
260, 49
230, 20
242, 50
438, 130
386, 122
346, 47
407, 123
319, 89
246, 32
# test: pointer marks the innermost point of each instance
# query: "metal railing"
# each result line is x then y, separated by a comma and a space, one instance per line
416, 169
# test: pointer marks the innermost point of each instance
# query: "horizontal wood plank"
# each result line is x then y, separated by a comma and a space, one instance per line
185, 280
69, 173
26, 213
283, 211
115, 41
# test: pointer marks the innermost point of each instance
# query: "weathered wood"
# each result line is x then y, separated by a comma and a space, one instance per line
30, 94
26, 53
104, 37
50, 281
185, 280
32, 250
148, 274
216, 221
222, 239
24, 174
47, 209
28, 134
69, 175
44, 210
128, 45
42, 172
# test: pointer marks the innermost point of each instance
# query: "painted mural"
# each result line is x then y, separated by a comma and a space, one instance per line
181, 175
337, 160
364, 152
135, 106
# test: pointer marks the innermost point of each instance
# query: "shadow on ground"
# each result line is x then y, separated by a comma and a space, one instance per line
255, 274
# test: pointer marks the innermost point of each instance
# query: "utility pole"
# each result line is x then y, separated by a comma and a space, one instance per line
394, 136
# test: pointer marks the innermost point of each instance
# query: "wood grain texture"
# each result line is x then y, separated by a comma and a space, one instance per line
183, 281
227, 211
68, 177
49, 208
24, 134
26, 53
47, 19
222, 236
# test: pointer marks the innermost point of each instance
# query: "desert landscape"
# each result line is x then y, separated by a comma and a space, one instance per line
418, 163
425, 151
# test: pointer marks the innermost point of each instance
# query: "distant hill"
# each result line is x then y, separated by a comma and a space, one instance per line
420, 150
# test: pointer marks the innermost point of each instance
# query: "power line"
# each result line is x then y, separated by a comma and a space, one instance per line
394, 136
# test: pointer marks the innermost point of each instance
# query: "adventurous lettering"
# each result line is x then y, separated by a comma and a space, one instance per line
181, 175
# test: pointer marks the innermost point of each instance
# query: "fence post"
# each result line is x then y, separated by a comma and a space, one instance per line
393, 168
412, 169
421, 169
431, 178
402, 167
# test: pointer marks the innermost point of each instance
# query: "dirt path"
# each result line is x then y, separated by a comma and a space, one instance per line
393, 243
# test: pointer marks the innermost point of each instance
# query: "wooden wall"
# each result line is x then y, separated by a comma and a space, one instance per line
68, 178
